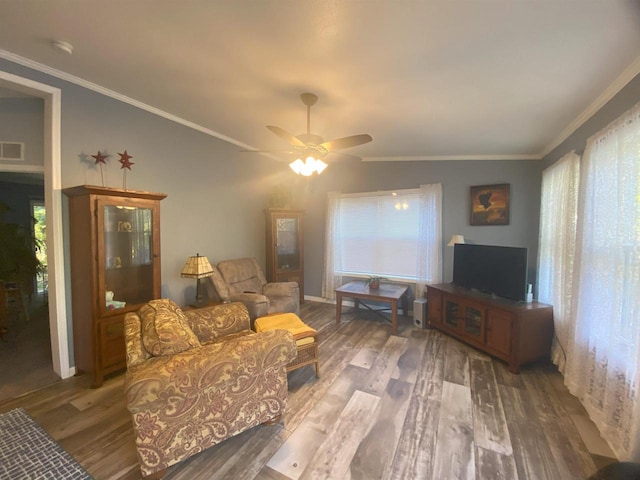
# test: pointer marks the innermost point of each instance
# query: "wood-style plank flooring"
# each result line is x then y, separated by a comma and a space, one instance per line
417, 405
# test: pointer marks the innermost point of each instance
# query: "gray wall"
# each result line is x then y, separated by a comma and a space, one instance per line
623, 101
215, 194
22, 120
455, 176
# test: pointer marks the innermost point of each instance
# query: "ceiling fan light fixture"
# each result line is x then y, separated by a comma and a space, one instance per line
320, 166
308, 167
297, 166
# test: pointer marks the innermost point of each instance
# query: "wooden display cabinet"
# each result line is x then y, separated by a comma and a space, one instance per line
115, 268
285, 252
516, 332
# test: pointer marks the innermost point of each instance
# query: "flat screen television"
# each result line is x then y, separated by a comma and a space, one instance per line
501, 271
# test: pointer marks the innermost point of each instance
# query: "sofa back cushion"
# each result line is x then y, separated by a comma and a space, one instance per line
242, 275
164, 329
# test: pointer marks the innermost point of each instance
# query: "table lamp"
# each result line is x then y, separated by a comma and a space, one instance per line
455, 239
197, 267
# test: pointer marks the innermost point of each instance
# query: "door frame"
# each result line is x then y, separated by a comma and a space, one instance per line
58, 322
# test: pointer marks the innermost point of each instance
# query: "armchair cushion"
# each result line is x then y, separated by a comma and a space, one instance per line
245, 282
281, 289
242, 275
165, 329
219, 284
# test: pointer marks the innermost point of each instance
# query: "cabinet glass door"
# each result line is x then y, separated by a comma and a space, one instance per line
451, 314
127, 245
287, 248
473, 318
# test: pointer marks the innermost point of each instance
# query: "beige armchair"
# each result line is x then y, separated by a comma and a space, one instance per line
242, 280
198, 377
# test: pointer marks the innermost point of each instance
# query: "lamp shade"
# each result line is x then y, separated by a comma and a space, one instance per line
455, 239
197, 267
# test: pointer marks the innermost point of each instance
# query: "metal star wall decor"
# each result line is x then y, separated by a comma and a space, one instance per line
125, 164
101, 160
124, 160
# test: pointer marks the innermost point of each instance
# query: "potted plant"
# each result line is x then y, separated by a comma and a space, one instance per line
374, 282
18, 260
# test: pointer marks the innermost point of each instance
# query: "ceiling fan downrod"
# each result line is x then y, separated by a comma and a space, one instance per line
309, 99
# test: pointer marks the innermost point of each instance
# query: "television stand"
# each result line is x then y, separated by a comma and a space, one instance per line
516, 332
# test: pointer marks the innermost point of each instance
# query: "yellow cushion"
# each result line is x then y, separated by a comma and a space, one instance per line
286, 321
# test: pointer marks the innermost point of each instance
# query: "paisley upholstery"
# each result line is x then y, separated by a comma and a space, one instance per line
184, 403
165, 329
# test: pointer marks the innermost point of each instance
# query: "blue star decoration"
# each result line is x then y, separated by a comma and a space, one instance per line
100, 158
124, 160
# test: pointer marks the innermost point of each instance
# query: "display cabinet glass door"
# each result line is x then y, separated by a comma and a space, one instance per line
128, 247
287, 248
474, 322
452, 314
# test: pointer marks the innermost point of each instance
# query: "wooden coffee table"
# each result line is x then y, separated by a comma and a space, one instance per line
388, 293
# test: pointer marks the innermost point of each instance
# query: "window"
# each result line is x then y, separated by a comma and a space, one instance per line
379, 234
392, 234
589, 260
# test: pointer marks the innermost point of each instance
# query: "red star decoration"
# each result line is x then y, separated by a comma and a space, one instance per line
100, 158
124, 160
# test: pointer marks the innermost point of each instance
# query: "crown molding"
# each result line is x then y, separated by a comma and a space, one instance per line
25, 62
611, 91
620, 82
440, 158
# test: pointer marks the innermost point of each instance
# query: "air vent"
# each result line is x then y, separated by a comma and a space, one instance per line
12, 151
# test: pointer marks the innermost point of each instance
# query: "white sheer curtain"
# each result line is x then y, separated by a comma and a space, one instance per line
430, 232
603, 354
424, 265
331, 280
557, 245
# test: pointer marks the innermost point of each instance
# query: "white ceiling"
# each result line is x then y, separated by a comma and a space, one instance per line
427, 79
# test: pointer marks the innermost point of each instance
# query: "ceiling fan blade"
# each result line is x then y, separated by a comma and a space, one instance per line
286, 135
340, 157
266, 151
346, 142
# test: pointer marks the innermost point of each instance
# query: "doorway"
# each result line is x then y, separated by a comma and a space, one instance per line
26, 341
39, 216
57, 309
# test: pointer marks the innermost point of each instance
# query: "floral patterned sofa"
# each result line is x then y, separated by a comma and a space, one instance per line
198, 377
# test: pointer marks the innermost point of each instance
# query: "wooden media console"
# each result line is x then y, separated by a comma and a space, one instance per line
516, 332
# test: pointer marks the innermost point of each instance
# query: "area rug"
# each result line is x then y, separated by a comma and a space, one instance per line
28, 452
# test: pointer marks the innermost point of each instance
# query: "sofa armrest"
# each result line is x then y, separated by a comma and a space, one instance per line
215, 321
174, 382
281, 289
136, 352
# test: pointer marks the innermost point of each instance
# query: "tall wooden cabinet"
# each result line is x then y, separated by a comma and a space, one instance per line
515, 332
285, 252
115, 268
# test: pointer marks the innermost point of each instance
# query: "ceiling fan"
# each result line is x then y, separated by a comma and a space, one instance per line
313, 147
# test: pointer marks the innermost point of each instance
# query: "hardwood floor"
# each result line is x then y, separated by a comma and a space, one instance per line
417, 405
27, 348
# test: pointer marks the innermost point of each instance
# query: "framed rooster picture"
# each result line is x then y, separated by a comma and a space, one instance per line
490, 204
